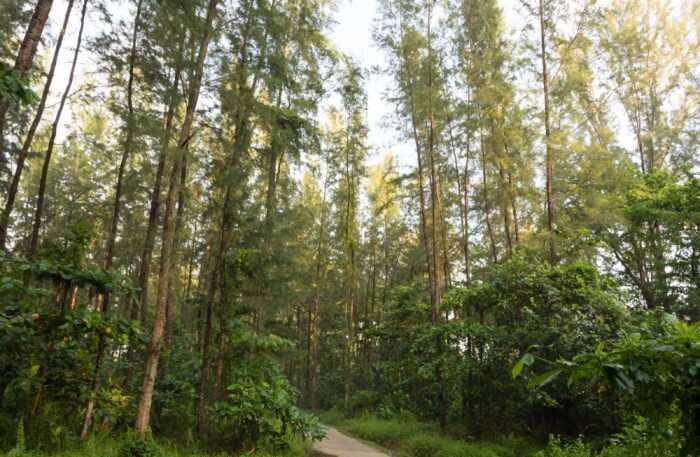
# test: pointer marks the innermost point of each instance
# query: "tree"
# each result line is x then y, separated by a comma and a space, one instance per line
22, 157
38, 213
24, 60
142, 417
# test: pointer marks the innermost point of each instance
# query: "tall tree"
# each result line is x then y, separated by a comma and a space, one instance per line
26, 145
39, 209
143, 414
24, 61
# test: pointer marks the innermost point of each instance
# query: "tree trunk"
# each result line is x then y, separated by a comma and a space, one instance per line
314, 310
39, 211
111, 237
516, 223
487, 206
24, 61
24, 152
436, 212
143, 415
128, 145
463, 203
154, 210
549, 200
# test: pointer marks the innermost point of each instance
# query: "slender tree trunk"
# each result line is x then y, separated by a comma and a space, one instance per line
514, 207
175, 261
139, 308
128, 145
436, 212
24, 61
350, 221
549, 199
314, 311
463, 203
505, 209
487, 205
39, 211
24, 152
154, 210
220, 358
218, 275
112, 236
206, 341
143, 415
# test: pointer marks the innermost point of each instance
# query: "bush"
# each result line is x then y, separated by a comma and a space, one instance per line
261, 411
641, 439
424, 445
557, 448
133, 446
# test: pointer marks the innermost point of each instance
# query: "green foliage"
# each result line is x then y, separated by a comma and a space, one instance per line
641, 437
656, 367
421, 440
557, 448
14, 88
133, 446
261, 406
264, 411
663, 213
20, 444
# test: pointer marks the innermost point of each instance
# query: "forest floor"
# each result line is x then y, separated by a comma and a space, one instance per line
337, 444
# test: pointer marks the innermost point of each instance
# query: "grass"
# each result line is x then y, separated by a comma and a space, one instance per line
414, 439
110, 447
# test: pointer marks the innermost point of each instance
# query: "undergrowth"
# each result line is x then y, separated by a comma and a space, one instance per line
127, 446
415, 439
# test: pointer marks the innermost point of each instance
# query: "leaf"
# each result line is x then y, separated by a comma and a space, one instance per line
526, 360
544, 379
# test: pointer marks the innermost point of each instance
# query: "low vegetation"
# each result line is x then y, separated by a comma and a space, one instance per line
415, 439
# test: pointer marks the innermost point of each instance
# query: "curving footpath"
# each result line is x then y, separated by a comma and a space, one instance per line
338, 445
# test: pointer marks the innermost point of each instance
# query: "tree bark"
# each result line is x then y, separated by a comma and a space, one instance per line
24, 152
143, 415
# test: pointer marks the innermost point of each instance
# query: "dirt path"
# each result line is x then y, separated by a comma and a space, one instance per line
339, 445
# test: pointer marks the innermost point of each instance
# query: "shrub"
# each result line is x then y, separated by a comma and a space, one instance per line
557, 448
641, 439
424, 445
20, 444
133, 446
261, 410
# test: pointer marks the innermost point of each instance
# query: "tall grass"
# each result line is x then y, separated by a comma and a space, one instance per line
416, 439
110, 447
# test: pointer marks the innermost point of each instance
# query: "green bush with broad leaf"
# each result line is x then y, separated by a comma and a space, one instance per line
260, 409
654, 366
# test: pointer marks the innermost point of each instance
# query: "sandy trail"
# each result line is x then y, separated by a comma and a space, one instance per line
339, 445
